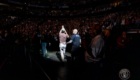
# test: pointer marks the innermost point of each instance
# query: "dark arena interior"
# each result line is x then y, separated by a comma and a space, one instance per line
69, 39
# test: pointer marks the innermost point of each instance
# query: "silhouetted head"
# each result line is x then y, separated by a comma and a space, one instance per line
124, 34
107, 32
75, 31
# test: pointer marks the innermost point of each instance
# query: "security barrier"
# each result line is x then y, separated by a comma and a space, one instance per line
15, 53
18, 56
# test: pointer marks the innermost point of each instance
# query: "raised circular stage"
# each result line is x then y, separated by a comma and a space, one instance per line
55, 56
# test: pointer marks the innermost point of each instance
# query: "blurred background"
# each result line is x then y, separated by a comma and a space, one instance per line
23, 22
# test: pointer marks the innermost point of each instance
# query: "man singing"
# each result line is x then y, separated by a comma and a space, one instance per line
76, 44
63, 36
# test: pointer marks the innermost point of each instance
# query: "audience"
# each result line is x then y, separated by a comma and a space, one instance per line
68, 12
29, 31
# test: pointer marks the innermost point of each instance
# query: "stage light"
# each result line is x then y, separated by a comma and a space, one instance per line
55, 56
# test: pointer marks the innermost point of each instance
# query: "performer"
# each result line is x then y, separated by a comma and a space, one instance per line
76, 44
63, 36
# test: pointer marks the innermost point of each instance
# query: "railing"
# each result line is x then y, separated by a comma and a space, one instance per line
15, 53
19, 57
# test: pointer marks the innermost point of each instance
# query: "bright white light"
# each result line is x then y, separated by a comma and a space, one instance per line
55, 56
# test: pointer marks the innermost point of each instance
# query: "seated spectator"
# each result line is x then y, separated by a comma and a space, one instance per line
123, 40
122, 43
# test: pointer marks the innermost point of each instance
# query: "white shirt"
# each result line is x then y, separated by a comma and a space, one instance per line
123, 22
115, 23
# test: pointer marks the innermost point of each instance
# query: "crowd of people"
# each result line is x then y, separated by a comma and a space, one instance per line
54, 2
29, 31
68, 12
8, 21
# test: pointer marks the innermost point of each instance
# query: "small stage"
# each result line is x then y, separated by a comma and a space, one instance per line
55, 56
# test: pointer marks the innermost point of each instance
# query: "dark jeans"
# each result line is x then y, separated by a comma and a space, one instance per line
44, 50
75, 51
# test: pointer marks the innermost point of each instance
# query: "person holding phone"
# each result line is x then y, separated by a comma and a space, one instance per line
62, 37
